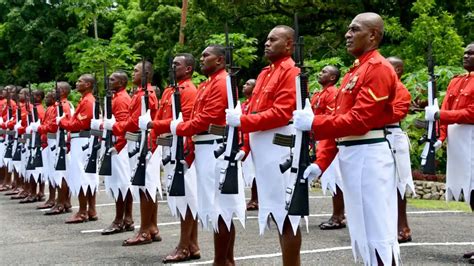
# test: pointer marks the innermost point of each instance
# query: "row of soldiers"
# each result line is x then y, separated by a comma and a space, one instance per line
354, 158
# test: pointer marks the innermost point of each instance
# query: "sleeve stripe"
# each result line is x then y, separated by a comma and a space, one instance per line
377, 99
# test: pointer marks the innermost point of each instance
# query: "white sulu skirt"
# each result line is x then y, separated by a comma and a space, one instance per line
271, 183
460, 165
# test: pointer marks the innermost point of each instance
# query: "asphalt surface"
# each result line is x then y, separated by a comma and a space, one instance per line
29, 237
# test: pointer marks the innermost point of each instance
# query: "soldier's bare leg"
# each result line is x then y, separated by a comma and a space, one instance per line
290, 244
224, 244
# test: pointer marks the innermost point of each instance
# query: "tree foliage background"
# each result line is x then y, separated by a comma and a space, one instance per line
46, 40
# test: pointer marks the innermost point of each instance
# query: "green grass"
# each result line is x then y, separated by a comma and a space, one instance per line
438, 205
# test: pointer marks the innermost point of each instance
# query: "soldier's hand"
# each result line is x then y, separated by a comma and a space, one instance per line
174, 124
144, 120
58, 119
432, 111
109, 123
16, 127
34, 126
232, 116
312, 172
240, 155
95, 124
437, 145
303, 119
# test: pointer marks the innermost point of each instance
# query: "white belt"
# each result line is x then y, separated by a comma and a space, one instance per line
373, 134
205, 137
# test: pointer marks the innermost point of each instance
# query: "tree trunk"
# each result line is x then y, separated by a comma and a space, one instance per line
184, 12
95, 28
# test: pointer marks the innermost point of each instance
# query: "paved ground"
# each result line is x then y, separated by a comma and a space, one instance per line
29, 237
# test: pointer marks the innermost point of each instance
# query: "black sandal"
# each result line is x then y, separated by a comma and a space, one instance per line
331, 224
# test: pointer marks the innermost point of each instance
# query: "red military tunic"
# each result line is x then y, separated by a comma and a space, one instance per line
273, 99
48, 124
400, 104
5, 113
24, 117
134, 111
323, 101
209, 108
120, 103
245, 106
164, 115
3, 108
458, 105
364, 102
81, 120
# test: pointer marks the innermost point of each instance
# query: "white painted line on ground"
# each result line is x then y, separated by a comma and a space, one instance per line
322, 250
103, 205
136, 227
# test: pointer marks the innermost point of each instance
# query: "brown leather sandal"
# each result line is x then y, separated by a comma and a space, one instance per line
139, 239
404, 236
178, 255
77, 218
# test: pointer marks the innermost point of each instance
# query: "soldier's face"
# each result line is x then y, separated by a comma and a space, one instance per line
468, 59
82, 85
182, 70
21, 96
49, 100
114, 82
248, 88
324, 77
209, 61
358, 37
137, 74
277, 44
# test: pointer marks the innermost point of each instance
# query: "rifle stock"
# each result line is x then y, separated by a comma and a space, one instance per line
297, 201
139, 172
91, 165
105, 161
428, 155
60, 136
176, 185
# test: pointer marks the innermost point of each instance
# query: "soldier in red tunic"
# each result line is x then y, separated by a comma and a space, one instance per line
80, 184
457, 118
271, 107
399, 143
48, 165
118, 184
363, 108
149, 231
183, 206
209, 108
323, 102
63, 201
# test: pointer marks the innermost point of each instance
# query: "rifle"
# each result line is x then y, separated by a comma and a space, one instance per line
17, 145
105, 161
10, 139
60, 136
228, 179
31, 147
176, 176
431, 136
91, 164
139, 172
297, 202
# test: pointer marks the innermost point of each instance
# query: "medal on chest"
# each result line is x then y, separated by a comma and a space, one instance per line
351, 84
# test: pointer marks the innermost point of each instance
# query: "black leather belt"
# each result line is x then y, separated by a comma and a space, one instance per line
81, 134
360, 142
203, 142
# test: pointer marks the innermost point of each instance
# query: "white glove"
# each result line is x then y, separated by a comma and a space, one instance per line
109, 123
17, 126
95, 124
185, 165
58, 119
240, 155
312, 172
34, 126
174, 124
1, 120
431, 110
232, 116
28, 130
303, 119
144, 120
437, 144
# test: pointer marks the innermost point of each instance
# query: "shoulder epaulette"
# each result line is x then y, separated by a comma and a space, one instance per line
374, 61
